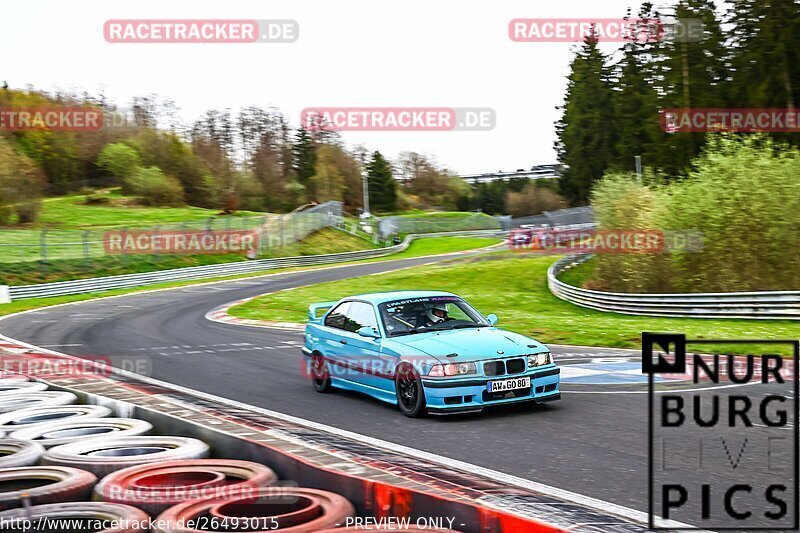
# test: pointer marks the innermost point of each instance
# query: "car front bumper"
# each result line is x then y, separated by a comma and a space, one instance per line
445, 396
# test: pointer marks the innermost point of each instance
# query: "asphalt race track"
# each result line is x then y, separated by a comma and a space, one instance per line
593, 442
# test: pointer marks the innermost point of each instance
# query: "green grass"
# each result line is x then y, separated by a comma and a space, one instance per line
450, 244
324, 241
515, 288
579, 274
70, 212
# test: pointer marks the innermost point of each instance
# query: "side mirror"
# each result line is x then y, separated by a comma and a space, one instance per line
367, 331
492, 319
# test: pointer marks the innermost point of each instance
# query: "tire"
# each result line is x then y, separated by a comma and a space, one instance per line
320, 373
156, 487
129, 519
323, 510
16, 453
29, 400
58, 433
43, 484
103, 456
12, 386
26, 418
409, 391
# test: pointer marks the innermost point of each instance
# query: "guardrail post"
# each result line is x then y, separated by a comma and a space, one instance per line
5, 295
86, 234
43, 248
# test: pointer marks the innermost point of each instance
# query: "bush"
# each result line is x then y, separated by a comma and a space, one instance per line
533, 200
154, 188
97, 199
743, 195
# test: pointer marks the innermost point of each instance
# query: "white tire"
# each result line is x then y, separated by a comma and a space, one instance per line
103, 456
58, 433
11, 386
16, 453
25, 418
28, 400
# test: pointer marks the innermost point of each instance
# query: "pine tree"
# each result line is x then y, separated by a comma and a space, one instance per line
766, 59
305, 157
695, 75
381, 183
585, 134
637, 126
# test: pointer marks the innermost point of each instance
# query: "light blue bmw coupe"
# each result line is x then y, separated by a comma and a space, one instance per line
426, 352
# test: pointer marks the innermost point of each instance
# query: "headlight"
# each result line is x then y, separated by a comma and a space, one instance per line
538, 359
453, 369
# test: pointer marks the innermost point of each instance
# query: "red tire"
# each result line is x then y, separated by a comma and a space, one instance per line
156, 487
286, 509
44, 484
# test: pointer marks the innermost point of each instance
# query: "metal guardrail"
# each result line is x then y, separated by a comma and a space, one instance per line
90, 285
749, 305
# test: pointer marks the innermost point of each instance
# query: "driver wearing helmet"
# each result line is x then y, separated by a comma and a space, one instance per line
435, 314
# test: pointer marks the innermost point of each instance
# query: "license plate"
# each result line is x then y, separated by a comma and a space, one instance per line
508, 384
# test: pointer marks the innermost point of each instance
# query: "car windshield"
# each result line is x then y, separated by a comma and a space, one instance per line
435, 313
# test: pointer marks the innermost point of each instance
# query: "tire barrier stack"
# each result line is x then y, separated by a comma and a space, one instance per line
65, 466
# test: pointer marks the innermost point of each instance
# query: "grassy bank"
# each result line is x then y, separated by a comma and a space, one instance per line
324, 241
417, 249
515, 287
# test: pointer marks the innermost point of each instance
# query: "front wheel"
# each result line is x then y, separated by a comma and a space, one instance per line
410, 395
320, 376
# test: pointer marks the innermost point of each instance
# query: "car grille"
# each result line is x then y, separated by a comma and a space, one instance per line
500, 368
494, 368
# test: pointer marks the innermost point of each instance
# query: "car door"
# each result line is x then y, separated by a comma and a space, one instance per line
334, 341
365, 352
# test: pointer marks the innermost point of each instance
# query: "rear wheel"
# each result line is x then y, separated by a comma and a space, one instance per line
320, 375
410, 395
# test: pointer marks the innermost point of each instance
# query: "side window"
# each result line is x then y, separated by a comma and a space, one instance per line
360, 314
336, 318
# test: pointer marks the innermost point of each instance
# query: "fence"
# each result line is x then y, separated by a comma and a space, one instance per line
274, 230
750, 305
433, 224
91, 285
573, 216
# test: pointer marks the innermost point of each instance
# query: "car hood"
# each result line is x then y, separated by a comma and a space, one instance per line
472, 344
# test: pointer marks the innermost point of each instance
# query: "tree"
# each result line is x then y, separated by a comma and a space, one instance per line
636, 119
20, 186
305, 157
694, 74
119, 160
155, 188
533, 200
328, 182
381, 183
585, 133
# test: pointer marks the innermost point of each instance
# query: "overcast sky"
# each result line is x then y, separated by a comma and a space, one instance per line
386, 53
